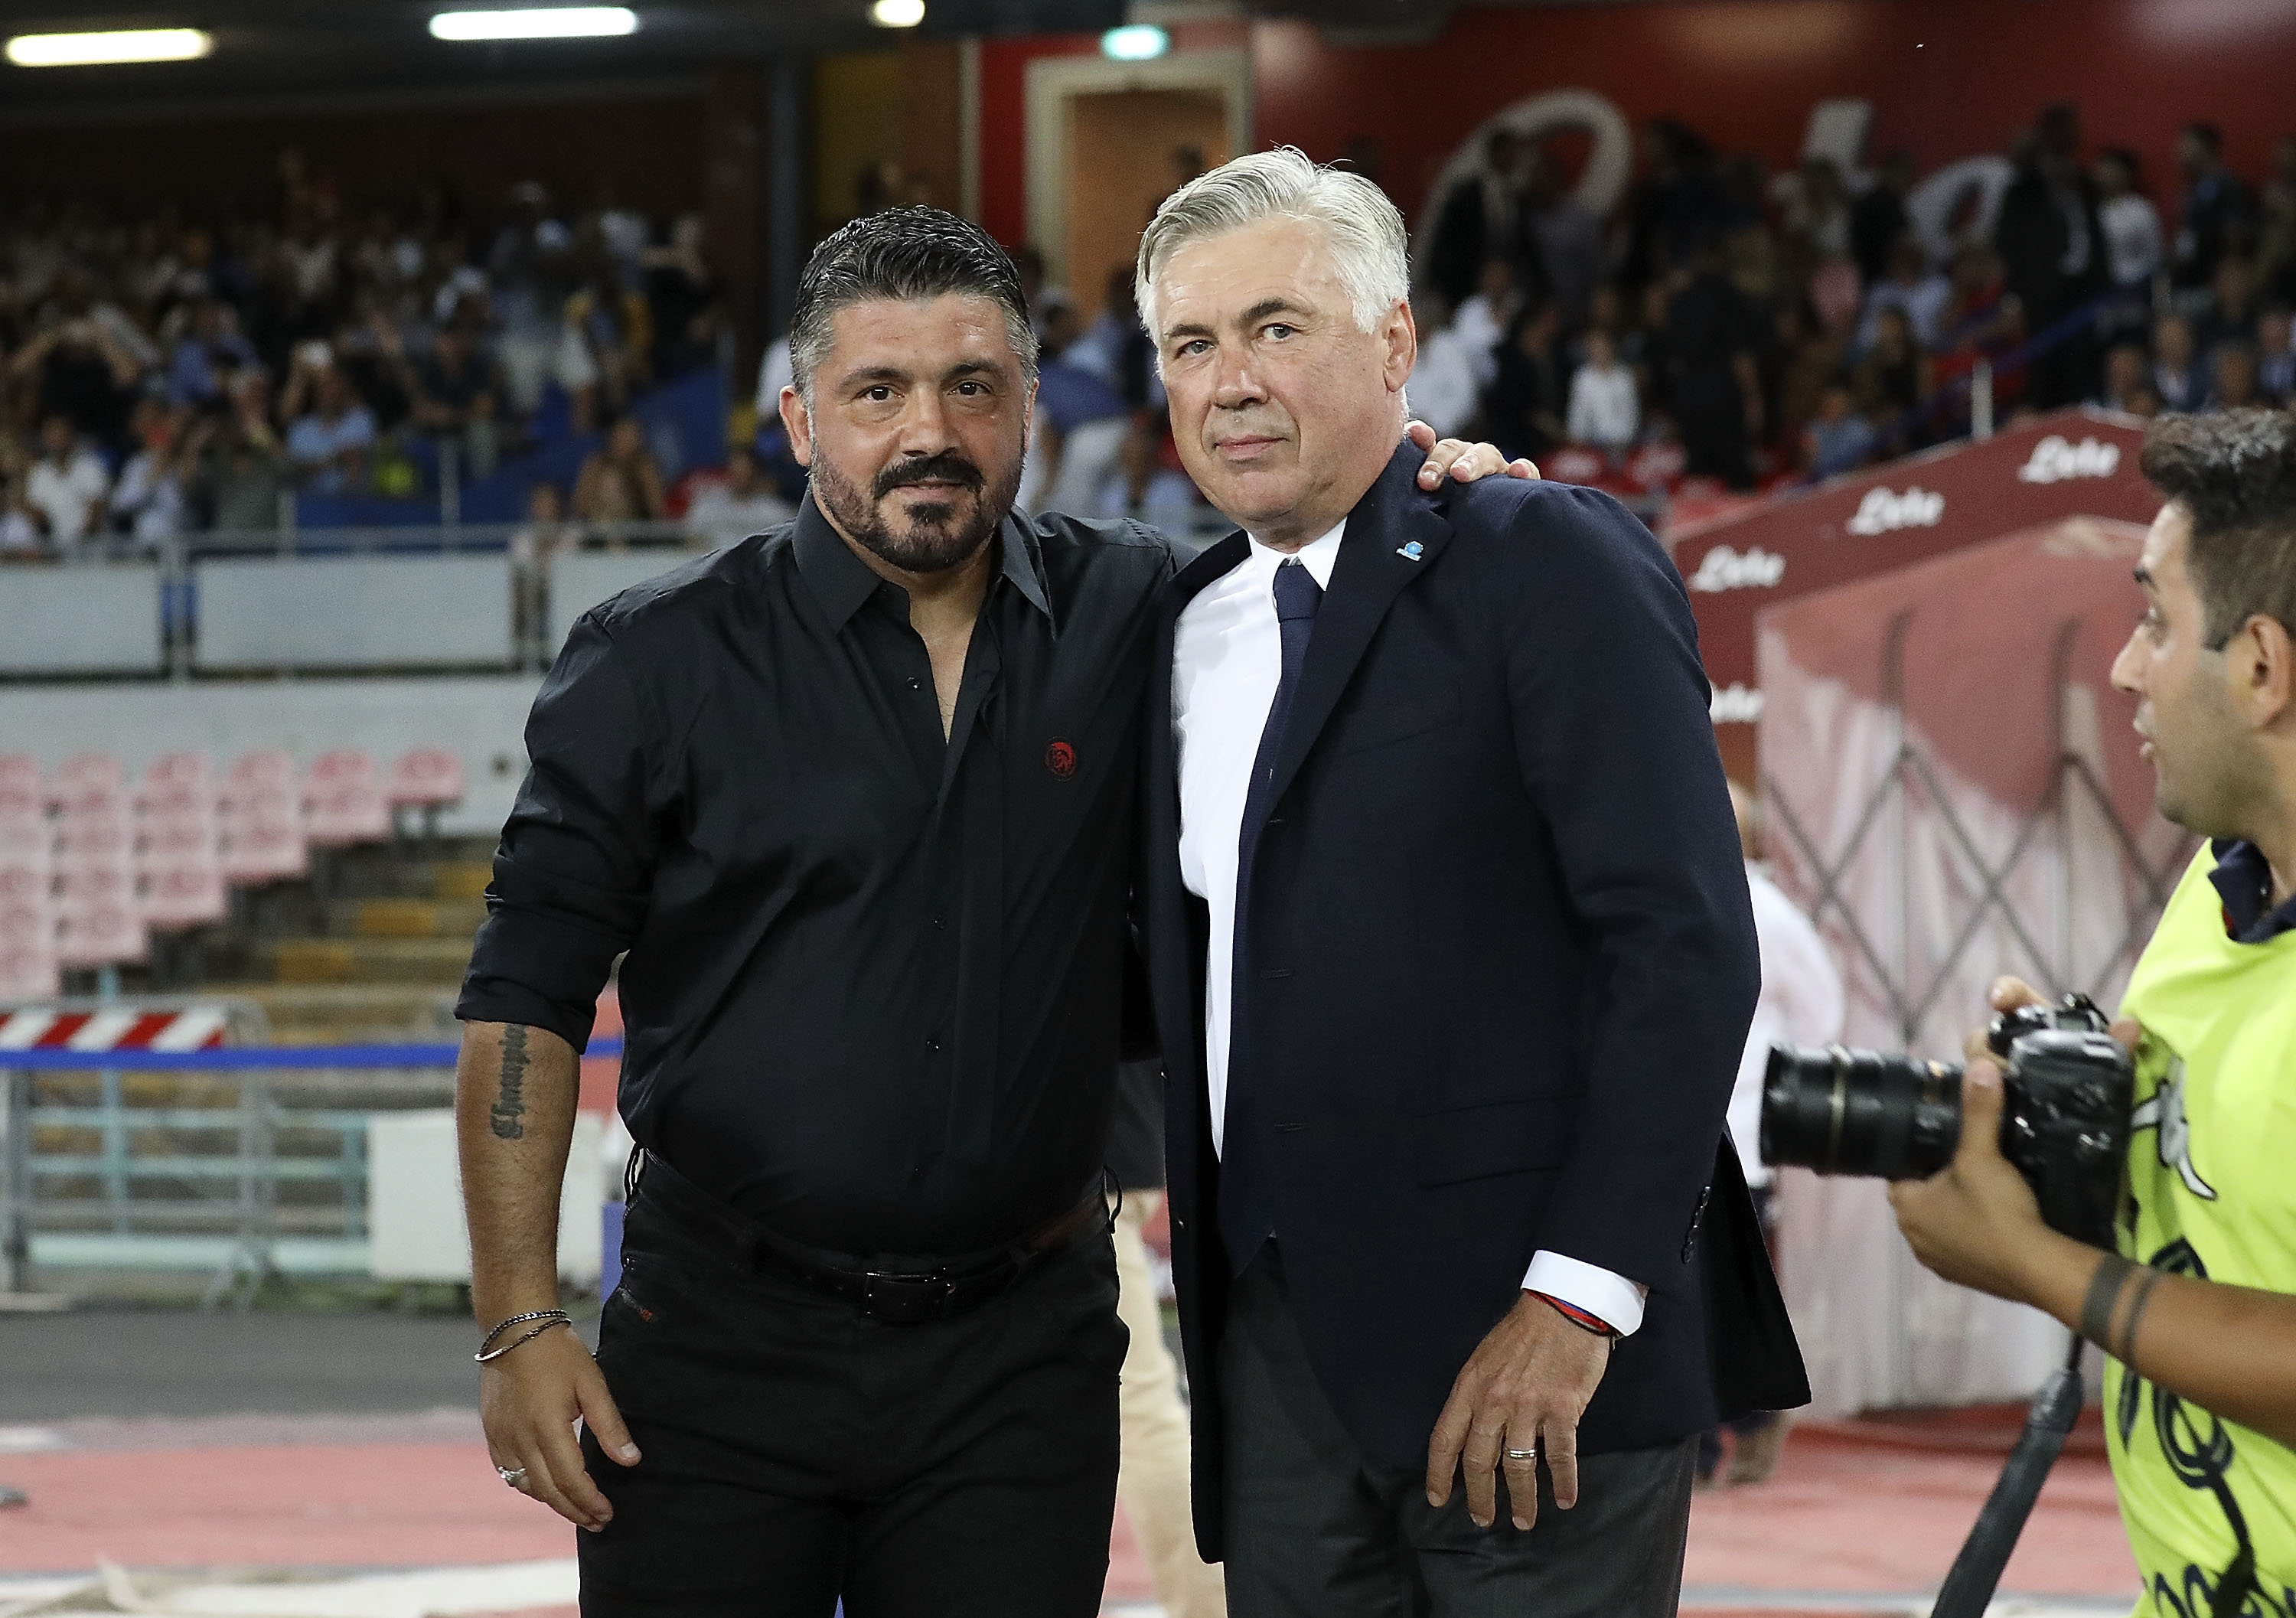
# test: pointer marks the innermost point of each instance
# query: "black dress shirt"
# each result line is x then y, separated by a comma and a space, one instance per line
874, 977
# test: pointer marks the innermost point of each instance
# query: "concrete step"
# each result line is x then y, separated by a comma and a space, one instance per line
462, 879
353, 1014
438, 961
404, 917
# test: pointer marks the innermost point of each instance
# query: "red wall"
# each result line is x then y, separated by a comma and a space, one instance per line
1948, 79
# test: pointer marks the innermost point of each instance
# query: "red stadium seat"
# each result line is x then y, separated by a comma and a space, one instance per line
263, 839
429, 777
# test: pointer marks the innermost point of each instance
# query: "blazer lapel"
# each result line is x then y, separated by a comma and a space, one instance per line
1394, 534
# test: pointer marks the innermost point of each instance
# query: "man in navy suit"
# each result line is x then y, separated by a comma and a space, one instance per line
1453, 960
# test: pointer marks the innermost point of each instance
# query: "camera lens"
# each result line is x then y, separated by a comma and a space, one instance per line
1852, 1112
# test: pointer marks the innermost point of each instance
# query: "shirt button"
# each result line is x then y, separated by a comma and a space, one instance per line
932, 1044
939, 922
915, 684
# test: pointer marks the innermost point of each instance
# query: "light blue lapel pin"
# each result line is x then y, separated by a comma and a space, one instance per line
1411, 552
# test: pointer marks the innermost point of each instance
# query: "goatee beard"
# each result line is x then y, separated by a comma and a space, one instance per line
934, 539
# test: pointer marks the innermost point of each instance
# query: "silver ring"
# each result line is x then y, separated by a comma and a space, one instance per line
1531, 1454
512, 1475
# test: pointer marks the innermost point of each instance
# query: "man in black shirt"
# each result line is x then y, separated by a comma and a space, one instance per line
855, 797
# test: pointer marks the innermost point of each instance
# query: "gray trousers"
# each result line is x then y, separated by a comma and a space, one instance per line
1316, 1531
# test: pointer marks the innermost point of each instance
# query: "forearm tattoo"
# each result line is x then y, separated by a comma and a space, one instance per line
2104, 1294
508, 1114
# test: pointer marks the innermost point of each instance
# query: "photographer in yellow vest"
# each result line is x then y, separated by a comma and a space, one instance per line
2196, 1311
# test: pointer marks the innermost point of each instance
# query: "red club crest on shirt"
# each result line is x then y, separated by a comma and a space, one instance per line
1060, 759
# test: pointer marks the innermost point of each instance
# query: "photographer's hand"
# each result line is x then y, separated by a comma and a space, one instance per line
2230, 1349
1976, 1221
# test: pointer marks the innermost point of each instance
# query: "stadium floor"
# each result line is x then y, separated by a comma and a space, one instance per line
396, 1515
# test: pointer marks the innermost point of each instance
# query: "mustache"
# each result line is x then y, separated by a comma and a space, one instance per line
946, 467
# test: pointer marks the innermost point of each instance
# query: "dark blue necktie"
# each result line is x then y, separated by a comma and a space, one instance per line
1247, 1215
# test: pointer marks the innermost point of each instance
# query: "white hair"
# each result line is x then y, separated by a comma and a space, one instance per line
1370, 250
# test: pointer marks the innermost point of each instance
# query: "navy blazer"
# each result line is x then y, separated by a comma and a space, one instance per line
1503, 966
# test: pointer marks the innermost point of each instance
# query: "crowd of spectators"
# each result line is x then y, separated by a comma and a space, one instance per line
1755, 329
164, 374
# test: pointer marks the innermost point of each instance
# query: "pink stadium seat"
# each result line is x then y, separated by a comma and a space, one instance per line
263, 840
185, 892
343, 766
100, 932
19, 772
177, 772
340, 815
24, 900
28, 971
84, 798
85, 769
95, 836
82, 883
428, 777
264, 769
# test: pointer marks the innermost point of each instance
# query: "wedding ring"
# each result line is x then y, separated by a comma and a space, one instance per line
1531, 1454
512, 1475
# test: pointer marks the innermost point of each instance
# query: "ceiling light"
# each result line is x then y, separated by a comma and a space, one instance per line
90, 50
897, 13
1139, 42
551, 22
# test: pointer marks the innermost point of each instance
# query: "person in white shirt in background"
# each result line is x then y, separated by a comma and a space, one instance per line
1482, 320
67, 487
2133, 245
1801, 1004
1446, 384
725, 511
1605, 411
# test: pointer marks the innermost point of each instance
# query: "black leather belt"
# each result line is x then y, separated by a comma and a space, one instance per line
902, 1292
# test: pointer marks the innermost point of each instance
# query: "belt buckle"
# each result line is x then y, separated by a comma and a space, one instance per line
905, 1298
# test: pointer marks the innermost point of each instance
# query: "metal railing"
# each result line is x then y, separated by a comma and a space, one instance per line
255, 1146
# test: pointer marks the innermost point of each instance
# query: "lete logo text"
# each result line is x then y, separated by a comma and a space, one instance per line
2054, 460
1725, 568
1883, 510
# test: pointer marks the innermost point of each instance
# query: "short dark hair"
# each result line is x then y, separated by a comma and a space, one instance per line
2207, 135
905, 254
2233, 471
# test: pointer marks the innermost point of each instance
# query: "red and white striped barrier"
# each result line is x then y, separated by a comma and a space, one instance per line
191, 1028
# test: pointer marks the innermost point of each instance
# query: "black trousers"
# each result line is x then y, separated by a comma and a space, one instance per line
1315, 1530
796, 1452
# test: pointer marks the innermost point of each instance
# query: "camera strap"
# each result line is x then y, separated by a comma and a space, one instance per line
1968, 1588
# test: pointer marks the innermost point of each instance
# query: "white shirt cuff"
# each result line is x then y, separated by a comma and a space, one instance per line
1608, 1296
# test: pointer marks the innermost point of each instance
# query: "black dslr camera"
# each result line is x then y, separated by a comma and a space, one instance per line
2066, 1087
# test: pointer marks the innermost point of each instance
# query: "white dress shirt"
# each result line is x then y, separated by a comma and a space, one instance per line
1227, 660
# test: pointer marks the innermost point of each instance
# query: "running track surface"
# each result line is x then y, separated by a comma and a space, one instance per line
1845, 1515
